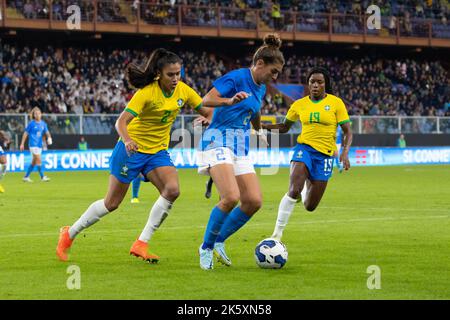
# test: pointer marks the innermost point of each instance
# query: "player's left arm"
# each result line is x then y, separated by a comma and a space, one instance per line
49, 136
196, 102
206, 115
347, 142
344, 121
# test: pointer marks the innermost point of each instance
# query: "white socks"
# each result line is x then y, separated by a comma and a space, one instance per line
285, 209
93, 214
304, 191
159, 212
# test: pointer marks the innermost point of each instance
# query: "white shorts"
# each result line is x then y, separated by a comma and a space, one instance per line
210, 158
36, 150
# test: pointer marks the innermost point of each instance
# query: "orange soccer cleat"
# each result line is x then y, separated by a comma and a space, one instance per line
140, 249
64, 244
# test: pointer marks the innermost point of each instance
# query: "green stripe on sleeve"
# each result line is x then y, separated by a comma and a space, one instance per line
131, 111
286, 119
198, 107
345, 121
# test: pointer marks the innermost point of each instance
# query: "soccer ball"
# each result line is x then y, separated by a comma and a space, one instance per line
271, 254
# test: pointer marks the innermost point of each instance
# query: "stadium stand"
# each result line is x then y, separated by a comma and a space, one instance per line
91, 80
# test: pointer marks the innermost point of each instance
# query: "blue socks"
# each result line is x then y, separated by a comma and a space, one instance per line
29, 170
41, 172
135, 187
236, 219
213, 228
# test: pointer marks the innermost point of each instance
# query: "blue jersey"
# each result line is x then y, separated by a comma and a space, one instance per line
230, 126
35, 132
339, 135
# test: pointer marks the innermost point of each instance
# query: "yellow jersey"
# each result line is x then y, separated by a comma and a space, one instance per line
319, 121
155, 113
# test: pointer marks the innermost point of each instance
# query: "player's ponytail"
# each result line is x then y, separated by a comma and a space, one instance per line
140, 76
270, 52
326, 76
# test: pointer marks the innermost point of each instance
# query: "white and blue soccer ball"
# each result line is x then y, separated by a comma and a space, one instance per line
271, 254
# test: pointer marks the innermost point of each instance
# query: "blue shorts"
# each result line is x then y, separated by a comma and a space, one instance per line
320, 166
2, 153
127, 167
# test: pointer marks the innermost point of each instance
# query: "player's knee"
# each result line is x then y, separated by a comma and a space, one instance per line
171, 192
310, 207
230, 201
253, 204
112, 205
294, 192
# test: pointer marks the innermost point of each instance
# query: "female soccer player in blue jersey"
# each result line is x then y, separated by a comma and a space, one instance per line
224, 146
35, 132
320, 113
144, 130
338, 148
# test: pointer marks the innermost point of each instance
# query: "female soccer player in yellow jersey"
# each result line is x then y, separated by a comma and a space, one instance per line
312, 163
144, 130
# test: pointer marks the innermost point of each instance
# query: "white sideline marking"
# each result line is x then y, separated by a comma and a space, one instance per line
19, 235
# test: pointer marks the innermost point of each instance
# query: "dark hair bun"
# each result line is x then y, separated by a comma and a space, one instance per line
272, 40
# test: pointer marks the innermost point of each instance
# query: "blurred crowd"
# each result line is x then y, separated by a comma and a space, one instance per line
376, 86
91, 80
82, 81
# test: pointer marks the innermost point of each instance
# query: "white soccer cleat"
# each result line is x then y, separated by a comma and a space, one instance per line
206, 258
27, 179
45, 179
221, 255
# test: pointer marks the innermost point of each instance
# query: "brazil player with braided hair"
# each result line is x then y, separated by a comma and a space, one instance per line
144, 130
320, 113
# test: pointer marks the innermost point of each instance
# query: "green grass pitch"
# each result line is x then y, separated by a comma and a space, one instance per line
396, 218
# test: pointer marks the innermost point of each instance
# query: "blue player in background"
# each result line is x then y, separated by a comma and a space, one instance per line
338, 148
35, 131
237, 97
136, 184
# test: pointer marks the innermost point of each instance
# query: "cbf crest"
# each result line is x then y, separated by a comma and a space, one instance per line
180, 102
327, 108
124, 171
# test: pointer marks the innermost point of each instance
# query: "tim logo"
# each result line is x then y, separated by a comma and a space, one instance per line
361, 156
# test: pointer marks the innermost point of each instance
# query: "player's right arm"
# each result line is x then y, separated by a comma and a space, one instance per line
22, 143
291, 117
282, 127
214, 99
121, 127
224, 87
132, 110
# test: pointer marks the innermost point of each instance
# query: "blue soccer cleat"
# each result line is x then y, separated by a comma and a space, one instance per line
206, 258
221, 255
